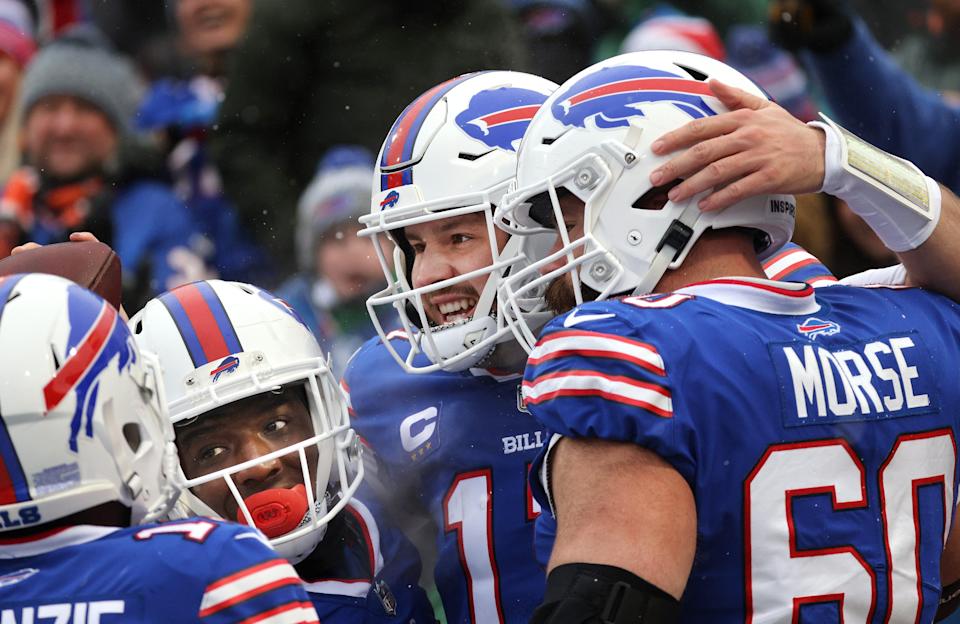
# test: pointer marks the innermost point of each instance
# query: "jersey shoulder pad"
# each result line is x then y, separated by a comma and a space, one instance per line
608, 350
240, 576
615, 372
374, 358
184, 538
793, 263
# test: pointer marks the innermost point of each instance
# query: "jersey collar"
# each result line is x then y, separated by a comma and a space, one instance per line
762, 295
355, 587
13, 548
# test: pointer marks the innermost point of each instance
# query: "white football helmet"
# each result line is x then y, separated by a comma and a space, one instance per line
219, 342
592, 139
451, 152
82, 420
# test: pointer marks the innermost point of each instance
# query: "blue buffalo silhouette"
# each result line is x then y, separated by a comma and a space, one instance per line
84, 311
613, 94
499, 117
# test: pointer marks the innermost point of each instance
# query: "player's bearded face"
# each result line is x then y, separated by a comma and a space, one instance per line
559, 296
241, 431
445, 249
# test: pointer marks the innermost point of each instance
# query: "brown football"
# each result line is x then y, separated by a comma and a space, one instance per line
91, 264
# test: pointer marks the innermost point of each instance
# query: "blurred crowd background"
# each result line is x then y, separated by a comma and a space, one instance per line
236, 138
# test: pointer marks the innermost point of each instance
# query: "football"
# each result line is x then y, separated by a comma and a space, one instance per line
91, 264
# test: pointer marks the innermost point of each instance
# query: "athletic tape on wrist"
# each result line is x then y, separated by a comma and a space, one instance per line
892, 195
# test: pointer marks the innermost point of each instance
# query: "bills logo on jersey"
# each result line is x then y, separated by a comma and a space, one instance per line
226, 367
813, 327
15, 577
390, 200
499, 117
612, 95
98, 340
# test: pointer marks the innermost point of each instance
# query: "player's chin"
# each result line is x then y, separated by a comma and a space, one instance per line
559, 296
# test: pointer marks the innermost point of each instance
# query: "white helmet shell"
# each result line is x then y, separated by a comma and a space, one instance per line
451, 152
82, 420
592, 139
219, 342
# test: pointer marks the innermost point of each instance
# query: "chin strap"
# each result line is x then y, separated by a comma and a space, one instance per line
674, 242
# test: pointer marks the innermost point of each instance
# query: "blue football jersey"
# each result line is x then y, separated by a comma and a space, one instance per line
457, 447
195, 570
374, 574
817, 430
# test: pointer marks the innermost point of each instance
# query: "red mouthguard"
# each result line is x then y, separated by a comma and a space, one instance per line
276, 511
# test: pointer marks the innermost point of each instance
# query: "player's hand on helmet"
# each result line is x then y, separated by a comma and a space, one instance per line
757, 148
818, 25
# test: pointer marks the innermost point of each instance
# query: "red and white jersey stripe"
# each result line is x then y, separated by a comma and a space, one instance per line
247, 584
597, 345
787, 262
291, 613
651, 397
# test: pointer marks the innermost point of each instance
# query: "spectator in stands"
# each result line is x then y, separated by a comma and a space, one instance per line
78, 99
309, 75
338, 270
16, 48
867, 92
675, 32
180, 113
210, 29
932, 55
558, 35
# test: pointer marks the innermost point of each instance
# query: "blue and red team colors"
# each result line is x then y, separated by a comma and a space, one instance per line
371, 570
791, 263
816, 428
196, 570
459, 446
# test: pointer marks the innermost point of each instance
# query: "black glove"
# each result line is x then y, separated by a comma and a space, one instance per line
817, 25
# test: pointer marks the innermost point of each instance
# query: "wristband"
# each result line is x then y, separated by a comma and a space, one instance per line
890, 194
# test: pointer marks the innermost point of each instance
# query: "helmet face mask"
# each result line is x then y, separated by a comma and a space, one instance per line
592, 139
451, 153
296, 451
278, 456
84, 421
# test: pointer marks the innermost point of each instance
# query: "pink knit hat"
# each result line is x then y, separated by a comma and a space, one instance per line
16, 31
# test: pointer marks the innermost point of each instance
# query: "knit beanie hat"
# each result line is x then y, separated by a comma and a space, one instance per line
16, 31
339, 192
80, 63
675, 32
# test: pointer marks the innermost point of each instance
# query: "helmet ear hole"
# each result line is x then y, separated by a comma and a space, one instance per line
655, 198
131, 433
541, 208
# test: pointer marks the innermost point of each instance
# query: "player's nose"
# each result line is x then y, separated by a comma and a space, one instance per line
430, 268
259, 472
